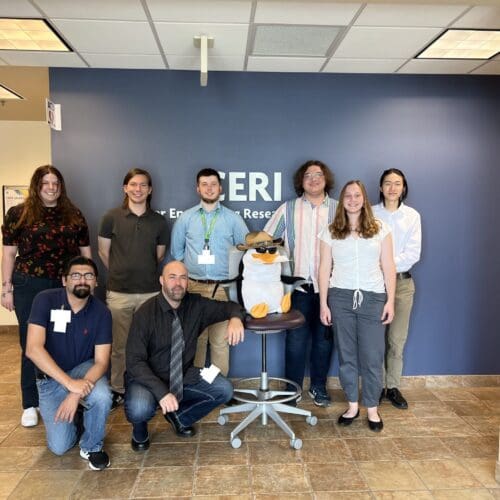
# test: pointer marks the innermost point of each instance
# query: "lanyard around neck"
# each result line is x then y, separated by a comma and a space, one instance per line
207, 230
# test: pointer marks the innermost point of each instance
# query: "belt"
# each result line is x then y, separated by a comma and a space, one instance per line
403, 276
42, 376
307, 287
213, 282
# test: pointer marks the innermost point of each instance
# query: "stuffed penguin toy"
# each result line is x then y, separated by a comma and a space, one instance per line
262, 289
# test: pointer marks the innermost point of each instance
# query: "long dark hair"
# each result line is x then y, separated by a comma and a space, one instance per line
368, 225
33, 207
396, 171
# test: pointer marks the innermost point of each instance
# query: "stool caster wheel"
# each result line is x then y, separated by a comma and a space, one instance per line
236, 442
312, 420
296, 443
222, 419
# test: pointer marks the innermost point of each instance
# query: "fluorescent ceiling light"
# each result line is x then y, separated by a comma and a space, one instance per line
293, 40
7, 94
30, 34
463, 44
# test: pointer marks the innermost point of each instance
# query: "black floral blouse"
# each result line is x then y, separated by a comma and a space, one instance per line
44, 247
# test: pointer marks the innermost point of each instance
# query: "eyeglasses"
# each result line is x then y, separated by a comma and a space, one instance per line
270, 250
79, 276
313, 175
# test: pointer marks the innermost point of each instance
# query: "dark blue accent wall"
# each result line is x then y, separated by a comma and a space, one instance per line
442, 131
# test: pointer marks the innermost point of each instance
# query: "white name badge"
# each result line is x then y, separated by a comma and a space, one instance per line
60, 317
206, 257
209, 374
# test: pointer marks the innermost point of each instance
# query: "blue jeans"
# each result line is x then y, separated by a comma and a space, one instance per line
198, 400
297, 340
25, 289
61, 436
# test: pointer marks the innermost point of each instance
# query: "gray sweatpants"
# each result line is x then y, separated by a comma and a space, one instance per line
359, 338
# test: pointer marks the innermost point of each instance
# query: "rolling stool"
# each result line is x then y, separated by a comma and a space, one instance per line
264, 401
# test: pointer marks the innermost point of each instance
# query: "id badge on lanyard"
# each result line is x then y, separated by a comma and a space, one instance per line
206, 257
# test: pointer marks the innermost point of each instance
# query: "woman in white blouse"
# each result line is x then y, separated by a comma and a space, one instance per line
356, 288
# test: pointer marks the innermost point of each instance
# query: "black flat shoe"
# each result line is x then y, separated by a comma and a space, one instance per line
179, 429
396, 398
375, 426
136, 446
347, 420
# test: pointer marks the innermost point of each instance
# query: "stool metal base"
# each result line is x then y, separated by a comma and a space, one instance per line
264, 403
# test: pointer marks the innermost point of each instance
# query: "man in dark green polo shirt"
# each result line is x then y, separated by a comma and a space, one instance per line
132, 242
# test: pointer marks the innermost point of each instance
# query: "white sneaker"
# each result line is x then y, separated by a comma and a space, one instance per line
30, 417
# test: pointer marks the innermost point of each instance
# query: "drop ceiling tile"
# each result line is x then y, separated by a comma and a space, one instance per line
124, 10
177, 38
50, 59
363, 65
108, 37
480, 17
409, 15
490, 68
299, 41
129, 61
442, 67
305, 12
201, 11
384, 43
285, 64
17, 8
225, 63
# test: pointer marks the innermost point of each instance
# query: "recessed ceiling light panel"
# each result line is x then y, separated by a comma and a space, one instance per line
463, 44
30, 34
293, 40
7, 94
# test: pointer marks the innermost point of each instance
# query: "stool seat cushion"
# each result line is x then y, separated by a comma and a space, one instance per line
275, 322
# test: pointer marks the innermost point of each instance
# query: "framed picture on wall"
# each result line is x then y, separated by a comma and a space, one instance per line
13, 195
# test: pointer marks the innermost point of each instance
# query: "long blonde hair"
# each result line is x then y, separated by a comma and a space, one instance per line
368, 225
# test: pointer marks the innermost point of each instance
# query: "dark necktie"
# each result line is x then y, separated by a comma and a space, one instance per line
176, 358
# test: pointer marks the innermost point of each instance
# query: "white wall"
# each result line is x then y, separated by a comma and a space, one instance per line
24, 145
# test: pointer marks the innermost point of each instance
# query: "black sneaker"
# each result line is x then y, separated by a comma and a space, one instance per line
320, 397
118, 400
98, 460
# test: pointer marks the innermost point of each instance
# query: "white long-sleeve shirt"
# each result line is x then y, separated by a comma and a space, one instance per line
406, 234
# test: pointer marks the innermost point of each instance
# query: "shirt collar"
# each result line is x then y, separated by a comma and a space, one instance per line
166, 307
127, 211
84, 309
325, 202
399, 209
217, 207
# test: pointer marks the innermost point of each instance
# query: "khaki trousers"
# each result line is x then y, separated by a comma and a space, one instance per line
397, 332
122, 307
214, 335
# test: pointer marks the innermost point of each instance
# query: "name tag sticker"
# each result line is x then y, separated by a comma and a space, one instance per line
60, 317
206, 257
209, 374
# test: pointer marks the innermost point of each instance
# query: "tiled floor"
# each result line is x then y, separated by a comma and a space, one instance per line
445, 446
